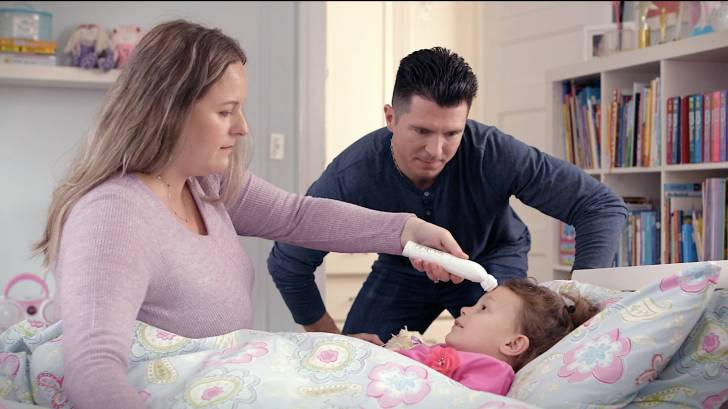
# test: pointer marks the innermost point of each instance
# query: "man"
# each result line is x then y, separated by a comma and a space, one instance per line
432, 161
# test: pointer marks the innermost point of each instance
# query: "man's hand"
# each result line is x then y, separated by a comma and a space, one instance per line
373, 338
325, 324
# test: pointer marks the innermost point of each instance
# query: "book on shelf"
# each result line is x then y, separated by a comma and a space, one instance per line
27, 46
639, 243
714, 225
696, 218
567, 244
633, 125
581, 118
27, 59
697, 128
681, 202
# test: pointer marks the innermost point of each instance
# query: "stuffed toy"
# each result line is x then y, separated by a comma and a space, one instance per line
405, 339
90, 47
123, 41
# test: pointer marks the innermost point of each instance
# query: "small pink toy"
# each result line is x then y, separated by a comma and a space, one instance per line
123, 41
36, 310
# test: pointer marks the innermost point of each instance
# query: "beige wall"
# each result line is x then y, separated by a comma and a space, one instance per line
365, 42
354, 83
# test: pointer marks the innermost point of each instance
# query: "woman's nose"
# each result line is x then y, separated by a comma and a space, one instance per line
240, 128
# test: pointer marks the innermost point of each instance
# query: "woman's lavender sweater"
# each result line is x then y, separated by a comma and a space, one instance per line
124, 256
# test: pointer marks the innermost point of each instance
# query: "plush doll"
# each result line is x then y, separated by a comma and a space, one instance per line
90, 47
123, 41
405, 339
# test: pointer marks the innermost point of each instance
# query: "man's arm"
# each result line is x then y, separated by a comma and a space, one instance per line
561, 190
325, 324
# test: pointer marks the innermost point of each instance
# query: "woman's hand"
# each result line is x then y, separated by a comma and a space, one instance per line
430, 235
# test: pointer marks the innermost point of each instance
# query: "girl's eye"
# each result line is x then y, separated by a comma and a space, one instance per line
226, 113
482, 307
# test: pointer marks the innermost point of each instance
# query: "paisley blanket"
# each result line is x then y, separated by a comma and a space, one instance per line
245, 368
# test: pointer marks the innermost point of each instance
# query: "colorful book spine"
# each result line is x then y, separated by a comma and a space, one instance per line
723, 126
698, 129
691, 129
707, 134
715, 127
670, 125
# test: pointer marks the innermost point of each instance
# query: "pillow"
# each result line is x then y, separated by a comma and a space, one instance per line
697, 376
594, 294
602, 362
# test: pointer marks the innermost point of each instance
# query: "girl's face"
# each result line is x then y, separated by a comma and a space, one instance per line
215, 124
488, 325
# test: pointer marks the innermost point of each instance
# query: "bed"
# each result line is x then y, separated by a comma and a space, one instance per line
665, 345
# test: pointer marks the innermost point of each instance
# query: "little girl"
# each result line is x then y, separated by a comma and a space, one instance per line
502, 332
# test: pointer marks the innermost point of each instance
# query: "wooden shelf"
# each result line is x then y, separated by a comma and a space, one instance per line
57, 77
696, 166
633, 170
689, 66
562, 268
706, 47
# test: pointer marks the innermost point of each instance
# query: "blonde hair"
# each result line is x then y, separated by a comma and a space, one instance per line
139, 125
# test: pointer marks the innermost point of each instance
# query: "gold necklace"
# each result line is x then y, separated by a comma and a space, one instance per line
169, 200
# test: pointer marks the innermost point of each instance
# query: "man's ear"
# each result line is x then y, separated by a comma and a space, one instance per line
389, 116
516, 345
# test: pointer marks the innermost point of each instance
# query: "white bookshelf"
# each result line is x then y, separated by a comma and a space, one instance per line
55, 76
693, 65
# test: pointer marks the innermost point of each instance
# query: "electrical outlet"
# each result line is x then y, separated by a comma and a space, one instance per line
277, 146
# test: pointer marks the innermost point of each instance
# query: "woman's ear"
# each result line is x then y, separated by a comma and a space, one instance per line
515, 346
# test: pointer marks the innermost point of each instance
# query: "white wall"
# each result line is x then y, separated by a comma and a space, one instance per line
40, 128
521, 40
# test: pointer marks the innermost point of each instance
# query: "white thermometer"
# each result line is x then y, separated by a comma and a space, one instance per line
467, 269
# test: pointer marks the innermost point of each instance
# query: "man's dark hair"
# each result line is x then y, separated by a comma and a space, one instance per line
437, 74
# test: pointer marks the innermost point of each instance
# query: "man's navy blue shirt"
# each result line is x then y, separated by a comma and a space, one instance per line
470, 198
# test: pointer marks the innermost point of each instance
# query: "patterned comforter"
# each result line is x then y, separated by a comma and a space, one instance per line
245, 368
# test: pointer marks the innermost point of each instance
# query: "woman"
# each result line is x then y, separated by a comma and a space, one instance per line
146, 224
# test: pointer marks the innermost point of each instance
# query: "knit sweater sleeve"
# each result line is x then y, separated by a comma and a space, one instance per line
102, 275
263, 210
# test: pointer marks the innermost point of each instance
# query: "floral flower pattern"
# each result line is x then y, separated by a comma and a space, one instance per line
690, 281
601, 358
393, 384
704, 352
329, 359
443, 359
715, 401
52, 388
241, 354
